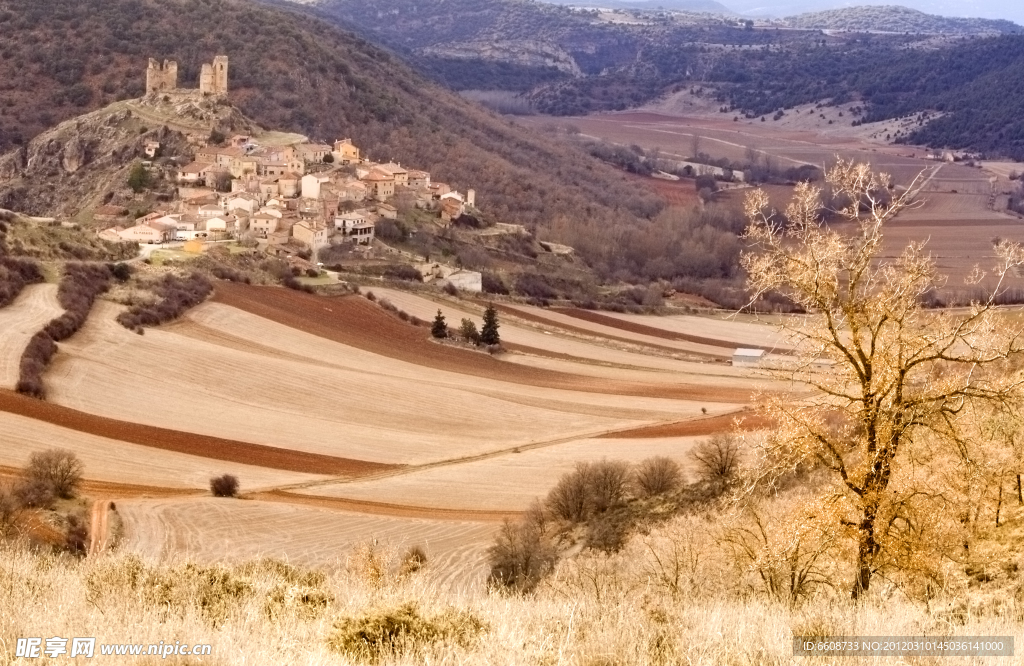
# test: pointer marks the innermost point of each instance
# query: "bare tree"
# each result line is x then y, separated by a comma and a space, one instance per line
609, 479
657, 476
59, 468
718, 460
904, 384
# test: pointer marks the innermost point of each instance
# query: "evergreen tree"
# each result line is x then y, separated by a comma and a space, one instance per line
489, 331
439, 329
138, 178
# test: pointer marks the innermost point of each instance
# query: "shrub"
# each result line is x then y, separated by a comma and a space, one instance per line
387, 632
534, 286
59, 468
78, 290
493, 284
657, 476
38, 352
414, 559
608, 482
521, 556
468, 332
34, 493
15, 275
122, 272
450, 289
290, 282
177, 295
76, 536
225, 485
718, 460
568, 500
9, 510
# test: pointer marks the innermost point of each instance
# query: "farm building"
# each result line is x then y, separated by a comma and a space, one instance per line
749, 358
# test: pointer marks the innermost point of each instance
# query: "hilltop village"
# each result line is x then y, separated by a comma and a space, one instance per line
286, 198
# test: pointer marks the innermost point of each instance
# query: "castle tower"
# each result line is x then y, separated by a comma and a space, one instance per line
220, 75
206, 79
161, 77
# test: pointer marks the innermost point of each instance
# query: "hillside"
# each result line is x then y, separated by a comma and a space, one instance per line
294, 73
892, 18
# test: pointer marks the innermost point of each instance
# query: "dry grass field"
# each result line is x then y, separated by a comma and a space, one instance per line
19, 321
214, 530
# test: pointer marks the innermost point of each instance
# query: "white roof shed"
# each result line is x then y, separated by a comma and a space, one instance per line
747, 357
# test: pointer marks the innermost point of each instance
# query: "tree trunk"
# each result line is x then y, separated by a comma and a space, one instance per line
999, 505
866, 549
1020, 498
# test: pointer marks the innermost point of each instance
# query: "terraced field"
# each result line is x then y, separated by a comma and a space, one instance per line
19, 321
347, 425
502, 483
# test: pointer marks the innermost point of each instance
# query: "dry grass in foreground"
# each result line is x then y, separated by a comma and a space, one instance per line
655, 602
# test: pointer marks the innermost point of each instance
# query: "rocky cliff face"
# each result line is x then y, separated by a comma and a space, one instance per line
76, 164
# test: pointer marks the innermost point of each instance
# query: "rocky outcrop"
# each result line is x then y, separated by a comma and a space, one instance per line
82, 159
520, 52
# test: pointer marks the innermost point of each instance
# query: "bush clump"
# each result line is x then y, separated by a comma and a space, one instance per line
59, 468
177, 295
79, 288
403, 630
225, 485
15, 275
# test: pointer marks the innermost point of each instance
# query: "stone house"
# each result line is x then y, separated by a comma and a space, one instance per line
345, 152
245, 201
312, 234
419, 179
288, 184
263, 224
310, 185
396, 171
380, 185
195, 173
313, 152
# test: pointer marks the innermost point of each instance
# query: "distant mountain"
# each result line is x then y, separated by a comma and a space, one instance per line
695, 6
1011, 10
891, 18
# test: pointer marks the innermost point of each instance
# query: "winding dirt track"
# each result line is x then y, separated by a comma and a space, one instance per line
358, 323
693, 427
351, 505
206, 446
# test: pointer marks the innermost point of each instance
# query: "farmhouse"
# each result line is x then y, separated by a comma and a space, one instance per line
142, 234
747, 358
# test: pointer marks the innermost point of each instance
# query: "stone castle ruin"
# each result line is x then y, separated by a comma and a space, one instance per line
213, 79
161, 77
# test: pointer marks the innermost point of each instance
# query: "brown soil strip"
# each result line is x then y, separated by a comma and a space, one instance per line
633, 327
383, 508
693, 427
204, 446
358, 323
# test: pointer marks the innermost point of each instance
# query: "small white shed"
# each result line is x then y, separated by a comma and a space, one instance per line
748, 358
